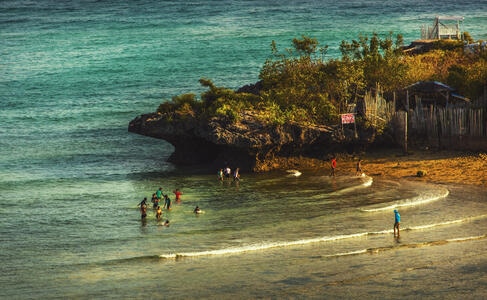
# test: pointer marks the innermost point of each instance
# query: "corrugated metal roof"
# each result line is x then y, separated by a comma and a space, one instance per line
429, 87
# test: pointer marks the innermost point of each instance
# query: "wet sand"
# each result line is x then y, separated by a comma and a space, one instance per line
455, 167
438, 167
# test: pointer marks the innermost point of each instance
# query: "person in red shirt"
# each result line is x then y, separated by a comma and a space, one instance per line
333, 166
178, 194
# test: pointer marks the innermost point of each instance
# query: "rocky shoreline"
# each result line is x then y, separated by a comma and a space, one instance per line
256, 147
252, 147
249, 142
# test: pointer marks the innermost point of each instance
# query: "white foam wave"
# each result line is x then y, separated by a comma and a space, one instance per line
377, 250
424, 197
468, 238
350, 253
427, 226
266, 246
365, 181
368, 181
362, 251
263, 246
294, 173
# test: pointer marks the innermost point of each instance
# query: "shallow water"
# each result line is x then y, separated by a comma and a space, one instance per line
296, 235
73, 74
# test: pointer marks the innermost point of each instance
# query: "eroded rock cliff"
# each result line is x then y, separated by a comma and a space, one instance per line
248, 143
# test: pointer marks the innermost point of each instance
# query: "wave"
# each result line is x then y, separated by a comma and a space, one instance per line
427, 226
293, 173
363, 182
408, 246
425, 196
267, 246
263, 246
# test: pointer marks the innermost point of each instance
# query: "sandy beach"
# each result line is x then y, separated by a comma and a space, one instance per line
437, 166
458, 167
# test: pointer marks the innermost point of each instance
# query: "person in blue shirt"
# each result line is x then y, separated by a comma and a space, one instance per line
397, 220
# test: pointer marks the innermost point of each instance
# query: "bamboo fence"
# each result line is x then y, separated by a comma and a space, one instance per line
443, 127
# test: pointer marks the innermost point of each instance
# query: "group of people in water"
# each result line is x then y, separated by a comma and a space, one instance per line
222, 174
156, 200
158, 206
227, 173
159, 196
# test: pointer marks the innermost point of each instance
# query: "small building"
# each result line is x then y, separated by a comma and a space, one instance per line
433, 93
444, 27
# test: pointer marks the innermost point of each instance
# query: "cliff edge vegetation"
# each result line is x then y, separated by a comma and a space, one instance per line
291, 116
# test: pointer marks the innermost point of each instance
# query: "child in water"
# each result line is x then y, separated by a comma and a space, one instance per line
159, 212
155, 201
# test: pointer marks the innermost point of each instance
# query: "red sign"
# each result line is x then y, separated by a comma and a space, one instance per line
348, 118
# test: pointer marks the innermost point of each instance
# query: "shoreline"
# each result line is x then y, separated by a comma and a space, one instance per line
443, 167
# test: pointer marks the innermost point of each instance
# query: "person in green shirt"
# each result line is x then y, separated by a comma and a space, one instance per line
159, 194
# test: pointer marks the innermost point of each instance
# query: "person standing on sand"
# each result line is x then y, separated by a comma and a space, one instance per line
397, 220
333, 166
359, 167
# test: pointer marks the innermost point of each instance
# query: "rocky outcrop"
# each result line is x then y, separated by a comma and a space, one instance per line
248, 143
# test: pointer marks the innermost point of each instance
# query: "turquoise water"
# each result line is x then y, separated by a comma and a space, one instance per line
74, 73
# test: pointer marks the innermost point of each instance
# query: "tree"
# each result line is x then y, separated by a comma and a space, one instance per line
305, 46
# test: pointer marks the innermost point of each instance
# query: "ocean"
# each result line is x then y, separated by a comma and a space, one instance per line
72, 76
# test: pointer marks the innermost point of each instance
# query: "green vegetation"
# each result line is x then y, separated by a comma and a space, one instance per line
215, 102
298, 85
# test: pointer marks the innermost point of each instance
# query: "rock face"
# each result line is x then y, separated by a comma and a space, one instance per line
248, 143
